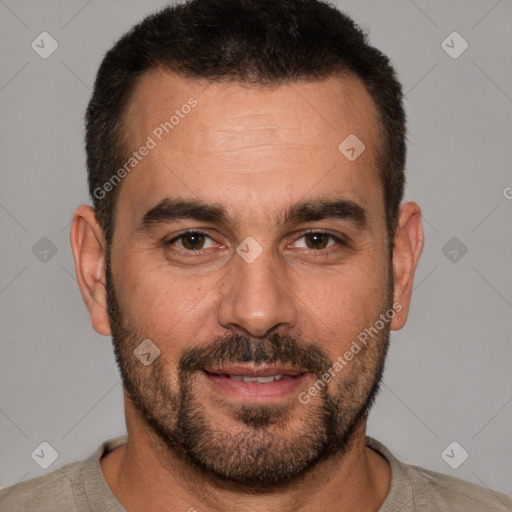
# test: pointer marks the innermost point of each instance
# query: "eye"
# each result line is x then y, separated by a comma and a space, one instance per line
192, 241
318, 240
197, 241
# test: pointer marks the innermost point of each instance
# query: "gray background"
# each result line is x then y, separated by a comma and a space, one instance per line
448, 376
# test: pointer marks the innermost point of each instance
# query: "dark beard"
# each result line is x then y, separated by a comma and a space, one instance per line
260, 454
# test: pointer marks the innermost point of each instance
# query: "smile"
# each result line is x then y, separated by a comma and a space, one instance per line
256, 383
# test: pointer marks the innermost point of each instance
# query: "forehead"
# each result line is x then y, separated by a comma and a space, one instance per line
248, 147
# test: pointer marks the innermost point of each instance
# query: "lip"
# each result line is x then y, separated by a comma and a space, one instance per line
254, 392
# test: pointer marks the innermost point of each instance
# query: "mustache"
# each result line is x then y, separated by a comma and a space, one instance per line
276, 348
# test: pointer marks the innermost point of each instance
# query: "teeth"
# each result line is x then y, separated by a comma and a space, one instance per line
263, 380
260, 380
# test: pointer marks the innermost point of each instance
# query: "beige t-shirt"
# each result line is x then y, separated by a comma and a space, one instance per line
81, 487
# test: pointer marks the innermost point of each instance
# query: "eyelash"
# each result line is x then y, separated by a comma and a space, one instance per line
319, 252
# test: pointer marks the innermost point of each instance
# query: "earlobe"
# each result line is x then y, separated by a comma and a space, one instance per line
408, 245
88, 246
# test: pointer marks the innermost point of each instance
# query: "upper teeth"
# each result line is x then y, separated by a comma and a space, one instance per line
261, 380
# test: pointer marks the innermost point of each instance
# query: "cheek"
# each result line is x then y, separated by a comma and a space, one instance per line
341, 304
168, 309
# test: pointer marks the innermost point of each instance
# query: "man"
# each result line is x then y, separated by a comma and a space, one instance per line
249, 254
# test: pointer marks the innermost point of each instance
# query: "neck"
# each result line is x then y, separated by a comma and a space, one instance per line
145, 475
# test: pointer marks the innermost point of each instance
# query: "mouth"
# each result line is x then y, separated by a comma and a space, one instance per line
255, 383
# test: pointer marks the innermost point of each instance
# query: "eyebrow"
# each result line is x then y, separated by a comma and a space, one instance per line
174, 209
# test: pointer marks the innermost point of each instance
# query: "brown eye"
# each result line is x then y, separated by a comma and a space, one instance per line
193, 241
317, 240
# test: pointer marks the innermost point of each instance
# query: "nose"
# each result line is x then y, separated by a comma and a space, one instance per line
256, 298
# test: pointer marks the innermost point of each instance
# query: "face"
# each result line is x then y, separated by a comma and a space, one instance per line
248, 246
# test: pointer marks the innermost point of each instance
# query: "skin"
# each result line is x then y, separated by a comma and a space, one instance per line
256, 152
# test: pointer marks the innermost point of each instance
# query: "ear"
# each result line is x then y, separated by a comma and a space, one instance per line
88, 246
408, 241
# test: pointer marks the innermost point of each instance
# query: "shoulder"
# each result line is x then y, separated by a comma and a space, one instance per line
76, 487
418, 489
46, 493
454, 494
